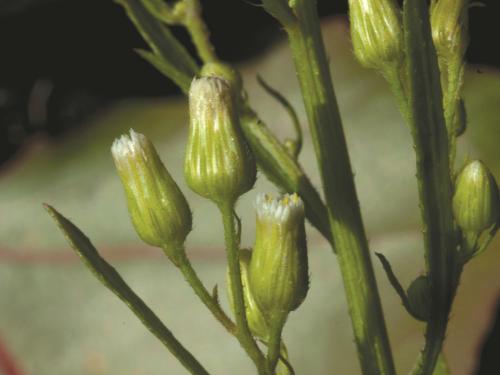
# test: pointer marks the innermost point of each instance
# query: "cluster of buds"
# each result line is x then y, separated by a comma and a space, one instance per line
219, 166
475, 203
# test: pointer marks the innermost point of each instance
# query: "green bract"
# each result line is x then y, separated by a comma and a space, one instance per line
376, 32
218, 163
278, 269
419, 298
159, 211
476, 201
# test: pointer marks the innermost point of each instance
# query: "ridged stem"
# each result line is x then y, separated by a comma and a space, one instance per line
344, 214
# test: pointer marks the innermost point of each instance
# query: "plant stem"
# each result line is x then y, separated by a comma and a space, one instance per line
233, 261
346, 225
274, 346
194, 281
430, 137
198, 31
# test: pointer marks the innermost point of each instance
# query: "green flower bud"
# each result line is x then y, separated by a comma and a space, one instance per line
449, 24
376, 32
476, 200
278, 269
256, 321
419, 298
159, 210
218, 164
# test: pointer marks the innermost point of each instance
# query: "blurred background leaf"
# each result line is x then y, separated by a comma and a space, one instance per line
58, 320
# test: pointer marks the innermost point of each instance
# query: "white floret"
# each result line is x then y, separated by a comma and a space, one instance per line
281, 209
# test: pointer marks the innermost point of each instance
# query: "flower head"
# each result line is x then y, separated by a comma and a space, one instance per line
278, 269
218, 163
157, 207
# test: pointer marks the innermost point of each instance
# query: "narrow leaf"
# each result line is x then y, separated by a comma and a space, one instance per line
107, 275
395, 283
164, 45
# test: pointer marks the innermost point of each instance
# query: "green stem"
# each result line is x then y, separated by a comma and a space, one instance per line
194, 281
232, 249
274, 346
430, 139
198, 31
344, 213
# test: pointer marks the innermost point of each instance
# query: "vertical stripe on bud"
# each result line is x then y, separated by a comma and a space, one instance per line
376, 32
218, 164
278, 269
159, 211
476, 200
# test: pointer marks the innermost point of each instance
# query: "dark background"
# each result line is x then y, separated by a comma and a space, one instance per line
77, 54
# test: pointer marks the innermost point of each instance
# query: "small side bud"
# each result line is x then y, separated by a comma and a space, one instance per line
159, 211
279, 276
376, 32
476, 200
449, 24
256, 321
218, 164
419, 298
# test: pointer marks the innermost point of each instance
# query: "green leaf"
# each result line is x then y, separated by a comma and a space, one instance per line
108, 276
170, 54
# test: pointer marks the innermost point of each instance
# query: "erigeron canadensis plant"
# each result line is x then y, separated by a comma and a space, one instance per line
419, 49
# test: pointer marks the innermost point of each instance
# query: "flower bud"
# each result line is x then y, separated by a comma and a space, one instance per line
476, 200
419, 298
256, 321
449, 24
376, 32
218, 164
278, 269
159, 210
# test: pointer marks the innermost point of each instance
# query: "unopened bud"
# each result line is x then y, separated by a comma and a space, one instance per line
218, 164
476, 200
419, 298
256, 321
449, 23
159, 210
278, 269
376, 32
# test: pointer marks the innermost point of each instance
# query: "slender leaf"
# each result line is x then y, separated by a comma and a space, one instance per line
181, 66
107, 275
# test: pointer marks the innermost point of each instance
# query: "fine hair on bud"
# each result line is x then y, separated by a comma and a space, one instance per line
279, 276
158, 209
218, 163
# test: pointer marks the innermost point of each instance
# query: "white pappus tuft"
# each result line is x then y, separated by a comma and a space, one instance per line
280, 210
